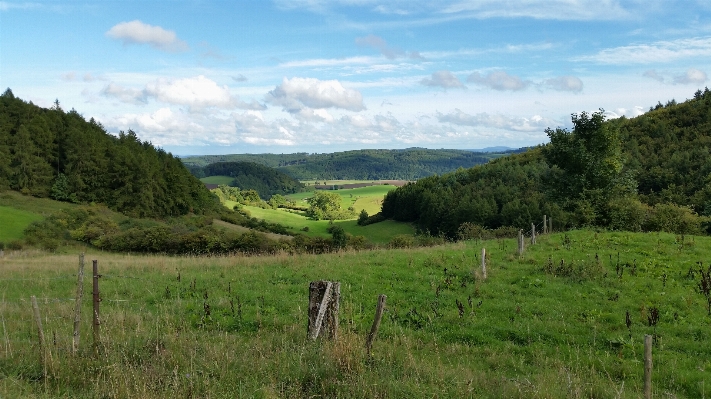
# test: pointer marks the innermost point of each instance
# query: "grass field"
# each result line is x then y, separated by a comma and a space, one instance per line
235, 327
368, 198
227, 180
14, 222
379, 233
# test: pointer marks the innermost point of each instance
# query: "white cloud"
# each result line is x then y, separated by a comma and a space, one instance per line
658, 52
692, 76
69, 76
443, 79
328, 62
239, 78
126, 95
532, 124
298, 93
137, 32
498, 80
197, 93
565, 83
565, 10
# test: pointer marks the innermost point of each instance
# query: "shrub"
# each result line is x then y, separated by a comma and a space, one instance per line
626, 214
674, 219
402, 241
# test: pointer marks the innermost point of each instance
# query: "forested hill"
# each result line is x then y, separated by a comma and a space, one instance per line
407, 164
649, 173
58, 154
252, 176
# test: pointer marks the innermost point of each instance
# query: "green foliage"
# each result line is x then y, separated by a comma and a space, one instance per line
362, 217
52, 153
327, 205
253, 176
407, 164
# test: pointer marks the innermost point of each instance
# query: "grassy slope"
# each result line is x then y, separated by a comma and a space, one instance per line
526, 334
14, 222
227, 180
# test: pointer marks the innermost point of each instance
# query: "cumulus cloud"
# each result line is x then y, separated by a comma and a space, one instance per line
498, 80
692, 76
565, 83
458, 117
239, 78
298, 93
196, 92
137, 32
443, 79
69, 76
123, 94
382, 46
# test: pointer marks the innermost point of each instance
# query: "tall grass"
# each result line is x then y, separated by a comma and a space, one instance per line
236, 326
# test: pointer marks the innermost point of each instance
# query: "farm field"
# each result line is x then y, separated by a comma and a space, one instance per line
227, 180
236, 326
379, 233
369, 198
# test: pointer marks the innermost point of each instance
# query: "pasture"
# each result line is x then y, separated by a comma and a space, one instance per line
226, 180
13, 223
564, 320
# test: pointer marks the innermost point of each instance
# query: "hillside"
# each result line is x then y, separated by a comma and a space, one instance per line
252, 176
407, 164
648, 173
58, 154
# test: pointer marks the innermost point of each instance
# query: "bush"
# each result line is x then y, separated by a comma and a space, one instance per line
674, 219
402, 241
627, 214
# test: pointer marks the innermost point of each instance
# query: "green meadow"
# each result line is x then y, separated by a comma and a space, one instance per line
227, 180
369, 198
564, 320
13, 223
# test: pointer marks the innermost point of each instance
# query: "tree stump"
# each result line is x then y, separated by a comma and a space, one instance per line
324, 300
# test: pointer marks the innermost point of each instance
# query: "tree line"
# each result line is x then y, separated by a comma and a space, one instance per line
252, 176
406, 164
648, 173
58, 154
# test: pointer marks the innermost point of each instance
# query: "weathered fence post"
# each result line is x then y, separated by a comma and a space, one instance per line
545, 225
483, 263
376, 323
324, 298
647, 366
96, 300
520, 242
40, 331
77, 304
533, 234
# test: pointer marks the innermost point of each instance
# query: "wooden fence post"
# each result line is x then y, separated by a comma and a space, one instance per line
96, 300
324, 298
483, 263
376, 323
648, 367
533, 234
520, 242
545, 225
77, 304
40, 331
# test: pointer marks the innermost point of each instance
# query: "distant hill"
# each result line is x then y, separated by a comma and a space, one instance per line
58, 154
649, 173
252, 176
406, 164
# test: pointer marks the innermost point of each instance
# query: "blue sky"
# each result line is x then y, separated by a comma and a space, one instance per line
283, 76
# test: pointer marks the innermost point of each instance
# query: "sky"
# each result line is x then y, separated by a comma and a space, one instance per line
283, 76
